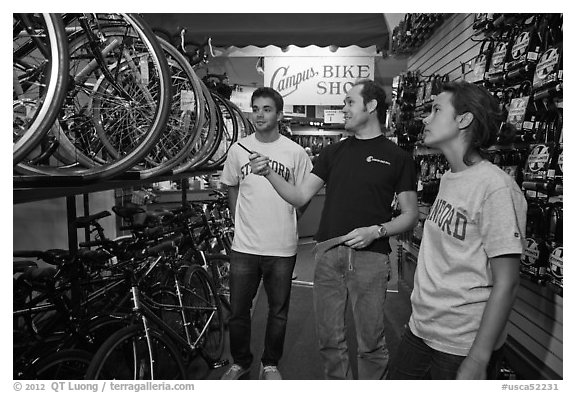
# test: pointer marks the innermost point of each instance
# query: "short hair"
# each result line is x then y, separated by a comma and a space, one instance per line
484, 107
268, 92
372, 91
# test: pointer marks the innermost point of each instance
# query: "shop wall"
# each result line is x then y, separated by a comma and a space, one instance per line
536, 322
43, 224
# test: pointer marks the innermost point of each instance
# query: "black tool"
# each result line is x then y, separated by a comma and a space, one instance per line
245, 148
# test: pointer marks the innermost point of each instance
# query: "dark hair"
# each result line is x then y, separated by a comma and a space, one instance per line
486, 112
371, 91
268, 92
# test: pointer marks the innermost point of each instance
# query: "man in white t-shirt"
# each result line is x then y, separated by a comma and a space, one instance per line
265, 234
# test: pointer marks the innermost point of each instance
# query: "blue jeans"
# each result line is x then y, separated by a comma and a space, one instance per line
246, 271
414, 359
342, 273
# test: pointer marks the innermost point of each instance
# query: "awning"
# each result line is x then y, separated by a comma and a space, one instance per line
281, 30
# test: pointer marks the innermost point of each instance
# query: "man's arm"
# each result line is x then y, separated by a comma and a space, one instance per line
408, 218
505, 271
296, 196
232, 199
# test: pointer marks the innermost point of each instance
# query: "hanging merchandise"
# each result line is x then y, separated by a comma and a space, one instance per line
519, 99
525, 49
480, 63
428, 89
549, 70
534, 259
499, 56
421, 94
555, 266
538, 163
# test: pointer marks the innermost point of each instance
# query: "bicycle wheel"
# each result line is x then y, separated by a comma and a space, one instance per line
63, 365
127, 355
220, 272
40, 64
229, 126
245, 127
208, 322
119, 100
210, 136
182, 130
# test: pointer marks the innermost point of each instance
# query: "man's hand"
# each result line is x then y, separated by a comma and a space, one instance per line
361, 237
472, 369
259, 164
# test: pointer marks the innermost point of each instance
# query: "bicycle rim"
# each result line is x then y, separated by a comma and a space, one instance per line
63, 365
39, 81
230, 128
110, 132
210, 135
182, 130
126, 355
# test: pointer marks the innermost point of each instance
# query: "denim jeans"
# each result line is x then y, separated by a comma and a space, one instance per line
362, 276
246, 271
416, 360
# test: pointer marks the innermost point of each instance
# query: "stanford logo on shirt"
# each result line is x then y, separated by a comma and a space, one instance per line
448, 219
276, 166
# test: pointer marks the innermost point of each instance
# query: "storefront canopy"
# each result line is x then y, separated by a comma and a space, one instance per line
281, 30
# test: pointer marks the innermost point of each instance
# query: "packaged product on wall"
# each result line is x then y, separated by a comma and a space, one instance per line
555, 269
517, 112
499, 56
526, 46
534, 259
538, 163
549, 68
480, 63
428, 89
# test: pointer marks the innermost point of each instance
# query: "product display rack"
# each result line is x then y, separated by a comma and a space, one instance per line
534, 349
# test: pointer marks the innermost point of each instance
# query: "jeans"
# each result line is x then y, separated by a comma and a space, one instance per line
362, 276
416, 360
246, 271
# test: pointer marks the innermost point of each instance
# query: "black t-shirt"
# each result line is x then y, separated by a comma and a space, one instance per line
362, 176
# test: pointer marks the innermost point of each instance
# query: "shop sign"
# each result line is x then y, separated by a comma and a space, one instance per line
316, 80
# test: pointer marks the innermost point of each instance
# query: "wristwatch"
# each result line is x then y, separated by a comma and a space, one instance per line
382, 231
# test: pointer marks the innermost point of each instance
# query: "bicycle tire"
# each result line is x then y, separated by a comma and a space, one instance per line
229, 136
245, 126
126, 355
209, 136
104, 137
51, 98
182, 129
220, 272
62, 365
200, 293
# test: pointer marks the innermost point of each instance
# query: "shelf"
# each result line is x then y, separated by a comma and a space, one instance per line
36, 188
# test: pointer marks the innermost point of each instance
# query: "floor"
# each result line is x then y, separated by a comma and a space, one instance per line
301, 359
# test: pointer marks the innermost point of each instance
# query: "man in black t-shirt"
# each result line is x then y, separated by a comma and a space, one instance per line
362, 174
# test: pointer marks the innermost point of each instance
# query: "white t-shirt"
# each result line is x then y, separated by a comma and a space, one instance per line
479, 213
265, 224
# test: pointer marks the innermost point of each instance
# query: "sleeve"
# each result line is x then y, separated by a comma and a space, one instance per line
303, 166
231, 171
321, 166
407, 175
503, 222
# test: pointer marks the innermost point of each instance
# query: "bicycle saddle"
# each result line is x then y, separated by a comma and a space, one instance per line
127, 211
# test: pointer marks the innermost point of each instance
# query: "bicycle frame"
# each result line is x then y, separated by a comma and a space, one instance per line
143, 309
